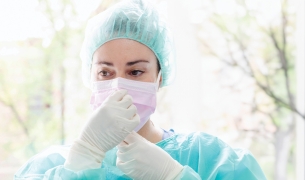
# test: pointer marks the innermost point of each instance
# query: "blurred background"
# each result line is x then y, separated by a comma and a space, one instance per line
240, 76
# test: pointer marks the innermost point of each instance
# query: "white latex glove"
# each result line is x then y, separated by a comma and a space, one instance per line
107, 127
141, 159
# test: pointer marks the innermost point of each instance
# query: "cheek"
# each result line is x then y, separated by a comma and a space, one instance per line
152, 76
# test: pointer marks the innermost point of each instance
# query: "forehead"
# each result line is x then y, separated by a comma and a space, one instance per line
123, 50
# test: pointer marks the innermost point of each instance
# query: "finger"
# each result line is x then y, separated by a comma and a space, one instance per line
123, 143
132, 138
126, 167
128, 125
117, 95
123, 153
122, 147
130, 112
124, 158
133, 111
126, 101
136, 119
119, 163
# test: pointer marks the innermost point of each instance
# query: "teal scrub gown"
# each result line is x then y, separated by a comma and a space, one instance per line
202, 156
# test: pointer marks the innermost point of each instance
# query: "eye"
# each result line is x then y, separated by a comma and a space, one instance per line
136, 72
104, 73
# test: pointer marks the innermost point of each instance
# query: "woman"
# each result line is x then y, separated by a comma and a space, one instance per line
127, 56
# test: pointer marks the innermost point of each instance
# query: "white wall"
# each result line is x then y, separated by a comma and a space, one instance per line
183, 96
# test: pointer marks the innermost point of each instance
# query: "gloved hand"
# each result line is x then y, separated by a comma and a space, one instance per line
107, 127
141, 159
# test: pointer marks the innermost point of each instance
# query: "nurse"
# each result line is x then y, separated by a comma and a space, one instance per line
127, 56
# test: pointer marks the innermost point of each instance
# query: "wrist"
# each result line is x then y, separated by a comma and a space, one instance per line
83, 156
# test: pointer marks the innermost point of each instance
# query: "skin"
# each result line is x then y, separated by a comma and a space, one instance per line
132, 60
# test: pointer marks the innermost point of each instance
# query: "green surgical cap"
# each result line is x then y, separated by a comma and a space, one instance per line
137, 20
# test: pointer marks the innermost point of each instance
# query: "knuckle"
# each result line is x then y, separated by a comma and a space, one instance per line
128, 98
132, 108
136, 118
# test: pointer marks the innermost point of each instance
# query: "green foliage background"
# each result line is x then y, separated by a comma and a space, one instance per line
43, 101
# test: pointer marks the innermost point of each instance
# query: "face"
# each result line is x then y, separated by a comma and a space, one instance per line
124, 58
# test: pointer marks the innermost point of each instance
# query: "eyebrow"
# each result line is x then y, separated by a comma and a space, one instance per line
128, 64
135, 62
104, 62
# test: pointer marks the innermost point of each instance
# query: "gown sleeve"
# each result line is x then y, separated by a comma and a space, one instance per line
206, 157
188, 173
50, 165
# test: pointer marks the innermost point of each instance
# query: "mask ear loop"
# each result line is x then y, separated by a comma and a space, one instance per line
158, 80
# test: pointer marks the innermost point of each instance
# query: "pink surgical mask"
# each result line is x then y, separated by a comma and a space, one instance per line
143, 95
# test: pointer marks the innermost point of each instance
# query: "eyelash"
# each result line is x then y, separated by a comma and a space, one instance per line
131, 72
103, 71
137, 72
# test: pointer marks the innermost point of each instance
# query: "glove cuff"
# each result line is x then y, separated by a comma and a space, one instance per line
176, 171
83, 156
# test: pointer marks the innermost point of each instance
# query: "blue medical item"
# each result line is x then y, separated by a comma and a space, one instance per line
137, 20
202, 156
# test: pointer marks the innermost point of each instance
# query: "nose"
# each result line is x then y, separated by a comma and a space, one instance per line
120, 74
